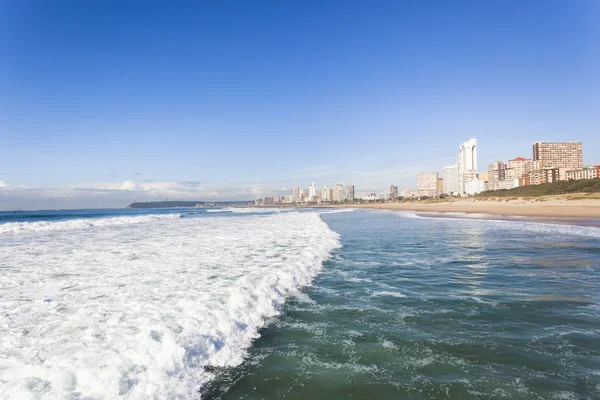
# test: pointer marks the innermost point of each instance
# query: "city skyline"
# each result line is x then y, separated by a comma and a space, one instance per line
435, 181
213, 102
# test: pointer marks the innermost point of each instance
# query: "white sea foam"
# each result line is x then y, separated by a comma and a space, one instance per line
244, 210
405, 214
136, 310
341, 210
531, 226
384, 293
304, 298
389, 345
252, 210
41, 226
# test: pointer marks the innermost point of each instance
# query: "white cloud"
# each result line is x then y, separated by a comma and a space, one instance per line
6, 186
130, 185
366, 178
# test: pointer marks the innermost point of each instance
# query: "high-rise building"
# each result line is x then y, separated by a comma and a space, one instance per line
567, 155
521, 166
440, 186
338, 192
312, 191
325, 194
393, 192
350, 193
427, 184
495, 175
451, 180
466, 162
296, 194
562, 155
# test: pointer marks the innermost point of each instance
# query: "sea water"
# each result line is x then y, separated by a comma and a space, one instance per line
253, 304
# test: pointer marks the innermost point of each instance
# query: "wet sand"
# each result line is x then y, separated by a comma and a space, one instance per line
523, 208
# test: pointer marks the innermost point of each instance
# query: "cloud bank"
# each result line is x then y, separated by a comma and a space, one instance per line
117, 194
120, 194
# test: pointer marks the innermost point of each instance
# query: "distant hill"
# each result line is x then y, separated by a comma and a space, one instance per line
547, 189
175, 204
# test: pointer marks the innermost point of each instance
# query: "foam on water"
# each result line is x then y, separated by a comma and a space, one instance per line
41, 226
252, 210
244, 210
137, 307
342, 210
532, 226
387, 293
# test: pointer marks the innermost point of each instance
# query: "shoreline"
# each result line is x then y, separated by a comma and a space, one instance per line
517, 208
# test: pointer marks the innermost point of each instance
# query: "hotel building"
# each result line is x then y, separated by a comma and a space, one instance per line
567, 155
450, 179
466, 162
427, 184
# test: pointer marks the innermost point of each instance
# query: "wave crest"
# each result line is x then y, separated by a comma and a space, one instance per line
42, 226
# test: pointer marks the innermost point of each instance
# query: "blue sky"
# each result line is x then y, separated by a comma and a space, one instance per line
105, 102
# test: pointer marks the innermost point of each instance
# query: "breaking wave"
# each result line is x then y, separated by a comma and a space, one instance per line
137, 311
41, 226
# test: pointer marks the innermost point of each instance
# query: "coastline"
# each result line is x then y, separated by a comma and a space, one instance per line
554, 208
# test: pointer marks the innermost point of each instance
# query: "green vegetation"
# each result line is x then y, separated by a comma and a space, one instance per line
589, 196
546, 189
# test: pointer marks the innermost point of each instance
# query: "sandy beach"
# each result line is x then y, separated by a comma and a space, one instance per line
556, 207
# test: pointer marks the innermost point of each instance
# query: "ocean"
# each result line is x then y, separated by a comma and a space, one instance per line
311, 304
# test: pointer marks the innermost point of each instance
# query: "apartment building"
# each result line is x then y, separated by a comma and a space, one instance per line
583, 173
427, 184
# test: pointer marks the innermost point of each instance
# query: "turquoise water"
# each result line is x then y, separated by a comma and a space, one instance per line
424, 308
262, 304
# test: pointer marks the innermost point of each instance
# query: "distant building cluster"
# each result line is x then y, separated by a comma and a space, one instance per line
338, 194
550, 162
